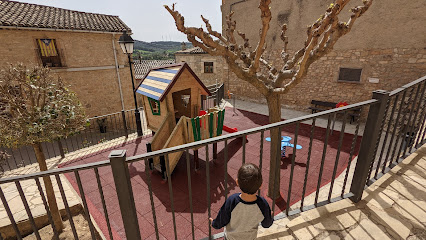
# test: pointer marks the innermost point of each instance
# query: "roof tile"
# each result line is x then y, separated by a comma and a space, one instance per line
20, 14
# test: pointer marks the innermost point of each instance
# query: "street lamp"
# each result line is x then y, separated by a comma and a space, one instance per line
126, 43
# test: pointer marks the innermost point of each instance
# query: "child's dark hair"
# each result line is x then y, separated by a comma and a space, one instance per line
249, 178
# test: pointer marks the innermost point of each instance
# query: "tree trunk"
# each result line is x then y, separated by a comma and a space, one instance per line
274, 107
51, 199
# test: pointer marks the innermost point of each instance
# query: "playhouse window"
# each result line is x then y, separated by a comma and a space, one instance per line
155, 106
208, 67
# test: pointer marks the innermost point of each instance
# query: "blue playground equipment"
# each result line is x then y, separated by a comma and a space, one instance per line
285, 142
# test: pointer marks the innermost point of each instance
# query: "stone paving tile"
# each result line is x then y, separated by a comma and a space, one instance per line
33, 198
392, 208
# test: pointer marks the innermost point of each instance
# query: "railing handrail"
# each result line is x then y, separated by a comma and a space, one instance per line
408, 85
55, 171
110, 114
247, 132
188, 145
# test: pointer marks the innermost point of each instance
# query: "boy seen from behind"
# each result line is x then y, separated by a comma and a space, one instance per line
242, 212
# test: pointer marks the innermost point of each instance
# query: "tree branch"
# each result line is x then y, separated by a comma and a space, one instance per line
266, 18
331, 31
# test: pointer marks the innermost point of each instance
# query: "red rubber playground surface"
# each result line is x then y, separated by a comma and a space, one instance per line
160, 188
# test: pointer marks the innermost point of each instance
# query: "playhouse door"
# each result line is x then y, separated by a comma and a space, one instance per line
182, 103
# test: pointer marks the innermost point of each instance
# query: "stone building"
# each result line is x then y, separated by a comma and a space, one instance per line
210, 69
81, 48
385, 49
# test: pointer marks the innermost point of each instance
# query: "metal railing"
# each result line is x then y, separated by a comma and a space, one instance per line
402, 128
99, 129
218, 93
380, 107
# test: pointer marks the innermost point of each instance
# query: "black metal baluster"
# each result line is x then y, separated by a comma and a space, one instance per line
277, 169
308, 161
86, 208
169, 180
46, 206
67, 208
410, 137
148, 176
378, 141
417, 129
336, 162
402, 129
351, 154
208, 189
101, 194
324, 151
27, 209
420, 129
188, 172
244, 148
226, 169
296, 133
394, 132
262, 135
385, 140
9, 214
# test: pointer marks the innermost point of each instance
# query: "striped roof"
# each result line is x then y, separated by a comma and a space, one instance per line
158, 81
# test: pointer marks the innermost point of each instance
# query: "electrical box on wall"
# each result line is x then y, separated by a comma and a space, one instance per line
373, 80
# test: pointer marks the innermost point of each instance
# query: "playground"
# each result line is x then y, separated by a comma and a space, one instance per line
160, 189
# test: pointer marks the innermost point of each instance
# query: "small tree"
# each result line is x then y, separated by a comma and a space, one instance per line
37, 107
272, 81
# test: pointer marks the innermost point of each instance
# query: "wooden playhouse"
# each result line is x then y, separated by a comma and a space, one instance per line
172, 99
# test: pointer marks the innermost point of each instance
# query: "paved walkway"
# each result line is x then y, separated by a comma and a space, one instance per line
287, 113
394, 207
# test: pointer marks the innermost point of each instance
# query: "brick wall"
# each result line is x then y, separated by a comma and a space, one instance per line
97, 89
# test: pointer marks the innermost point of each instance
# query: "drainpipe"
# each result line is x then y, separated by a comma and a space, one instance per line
123, 114
118, 73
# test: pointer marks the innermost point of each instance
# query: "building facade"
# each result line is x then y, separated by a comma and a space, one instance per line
81, 48
210, 69
385, 49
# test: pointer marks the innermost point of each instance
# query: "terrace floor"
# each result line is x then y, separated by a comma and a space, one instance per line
244, 120
394, 207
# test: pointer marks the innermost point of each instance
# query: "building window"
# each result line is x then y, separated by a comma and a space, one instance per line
208, 67
49, 53
350, 75
155, 106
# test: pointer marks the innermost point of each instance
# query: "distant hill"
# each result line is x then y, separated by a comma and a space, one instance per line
157, 50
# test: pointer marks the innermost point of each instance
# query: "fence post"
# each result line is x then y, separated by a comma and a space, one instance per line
123, 115
121, 175
61, 149
368, 143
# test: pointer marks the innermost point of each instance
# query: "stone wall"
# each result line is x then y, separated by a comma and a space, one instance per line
387, 43
196, 62
393, 67
89, 65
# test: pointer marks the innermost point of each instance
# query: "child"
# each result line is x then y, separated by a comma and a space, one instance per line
242, 212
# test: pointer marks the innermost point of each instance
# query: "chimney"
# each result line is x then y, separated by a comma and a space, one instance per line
183, 46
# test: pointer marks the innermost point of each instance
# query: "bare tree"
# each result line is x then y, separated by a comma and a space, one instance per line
37, 107
250, 66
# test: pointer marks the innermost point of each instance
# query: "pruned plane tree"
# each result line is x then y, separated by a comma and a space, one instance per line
249, 64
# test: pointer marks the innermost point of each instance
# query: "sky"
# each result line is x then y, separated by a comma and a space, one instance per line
148, 19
